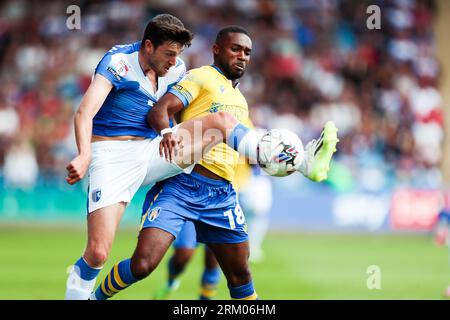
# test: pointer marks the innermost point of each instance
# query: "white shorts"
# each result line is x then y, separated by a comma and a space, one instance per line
119, 168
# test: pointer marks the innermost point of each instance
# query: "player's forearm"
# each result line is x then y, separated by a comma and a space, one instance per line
83, 132
159, 118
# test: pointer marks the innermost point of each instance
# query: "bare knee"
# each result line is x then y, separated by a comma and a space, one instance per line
239, 276
141, 267
96, 255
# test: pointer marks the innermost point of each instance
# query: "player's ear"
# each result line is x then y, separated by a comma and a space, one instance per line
149, 48
215, 49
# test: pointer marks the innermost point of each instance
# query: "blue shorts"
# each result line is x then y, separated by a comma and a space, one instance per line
187, 238
210, 204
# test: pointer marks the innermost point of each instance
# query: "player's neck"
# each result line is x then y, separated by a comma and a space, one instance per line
148, 70
234, 82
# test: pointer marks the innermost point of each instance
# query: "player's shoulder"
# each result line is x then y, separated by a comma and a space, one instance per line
124, 49
200, 74
202, 71
120, 53
177, 72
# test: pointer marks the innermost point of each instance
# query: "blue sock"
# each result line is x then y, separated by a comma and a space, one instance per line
245, 141
119, 278
210, 279
235, 138
85, 271
244, 292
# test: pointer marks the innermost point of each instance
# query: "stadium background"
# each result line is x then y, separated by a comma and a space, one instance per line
386, 90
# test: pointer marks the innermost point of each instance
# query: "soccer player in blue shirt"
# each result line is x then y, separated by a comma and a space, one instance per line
114, 140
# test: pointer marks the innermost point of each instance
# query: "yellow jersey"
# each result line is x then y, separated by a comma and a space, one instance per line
206, 90
243, 173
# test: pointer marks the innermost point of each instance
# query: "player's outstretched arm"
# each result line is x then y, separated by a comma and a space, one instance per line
90, 104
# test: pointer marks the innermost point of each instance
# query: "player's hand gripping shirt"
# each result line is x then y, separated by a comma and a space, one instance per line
125, 109
206, 90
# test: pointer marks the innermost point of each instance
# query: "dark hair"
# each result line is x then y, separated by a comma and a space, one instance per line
165, 27
230, 29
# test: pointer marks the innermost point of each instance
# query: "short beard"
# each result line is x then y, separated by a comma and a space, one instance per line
232, 74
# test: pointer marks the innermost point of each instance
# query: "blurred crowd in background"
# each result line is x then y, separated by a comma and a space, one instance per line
312, 61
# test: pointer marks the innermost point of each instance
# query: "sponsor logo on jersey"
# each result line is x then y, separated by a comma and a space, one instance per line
115, 74
96, 194
154, 213
239, 112
183, 91
215, 106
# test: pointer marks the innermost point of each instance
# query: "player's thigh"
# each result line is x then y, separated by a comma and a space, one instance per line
160, 225
116, 171
201, 134
158, 168
102, 225
222, 121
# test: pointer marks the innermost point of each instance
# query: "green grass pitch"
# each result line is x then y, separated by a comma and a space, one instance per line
34, 260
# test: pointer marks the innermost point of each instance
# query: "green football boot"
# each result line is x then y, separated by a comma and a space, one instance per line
318, 154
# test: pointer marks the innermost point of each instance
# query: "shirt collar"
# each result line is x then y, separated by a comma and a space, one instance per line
220, 71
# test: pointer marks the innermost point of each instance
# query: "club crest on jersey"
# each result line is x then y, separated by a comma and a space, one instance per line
122, 68
222, 88
96, 195
154, 213
286, 155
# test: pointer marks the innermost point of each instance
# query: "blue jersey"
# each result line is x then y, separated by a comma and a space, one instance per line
124, 112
